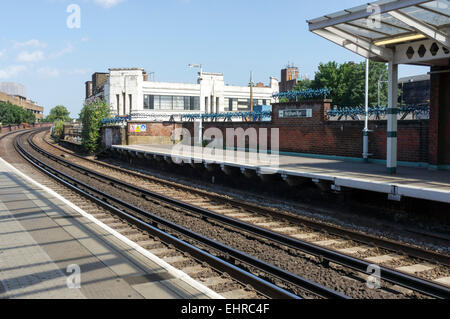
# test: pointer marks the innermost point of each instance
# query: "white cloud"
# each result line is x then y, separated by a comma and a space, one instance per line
79, 71
31, 43
107, 3
3, 53
11, 71
30, 57
48, 72
85, 39
68, 49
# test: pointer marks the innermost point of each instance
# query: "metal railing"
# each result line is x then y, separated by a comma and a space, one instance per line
308, 94
411, 112
229, 116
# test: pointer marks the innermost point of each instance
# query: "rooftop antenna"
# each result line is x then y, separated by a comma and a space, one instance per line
251, 91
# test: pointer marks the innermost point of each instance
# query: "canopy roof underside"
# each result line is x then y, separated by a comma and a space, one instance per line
401, 31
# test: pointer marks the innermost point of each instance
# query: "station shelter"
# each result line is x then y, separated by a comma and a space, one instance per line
401, 32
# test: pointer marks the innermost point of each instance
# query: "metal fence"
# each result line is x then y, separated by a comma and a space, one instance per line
406, 112
229, 116
189, 117
308, 94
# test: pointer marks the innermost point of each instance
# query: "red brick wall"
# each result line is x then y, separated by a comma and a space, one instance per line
155, 129
10, 128
439, 146
343, 138
318, 135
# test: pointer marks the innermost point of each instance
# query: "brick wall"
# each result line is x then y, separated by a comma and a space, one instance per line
156, 133
439, 145
320, 136
10, 128
342, 138
113, 135
317, 135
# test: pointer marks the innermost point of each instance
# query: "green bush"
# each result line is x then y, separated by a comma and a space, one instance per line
58, 130
91, 118
13, 114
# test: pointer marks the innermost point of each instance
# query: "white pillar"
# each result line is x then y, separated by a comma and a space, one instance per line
366, 119
392, 111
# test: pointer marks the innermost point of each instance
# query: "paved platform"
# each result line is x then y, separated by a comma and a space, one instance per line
409, 182
43, 238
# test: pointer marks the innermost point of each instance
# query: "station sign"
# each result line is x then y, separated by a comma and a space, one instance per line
138, 128
295, 113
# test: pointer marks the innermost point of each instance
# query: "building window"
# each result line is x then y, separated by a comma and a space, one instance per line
146, 102
178, 103
156, 102
166, 102
195, 103
118, 104
243, 104
169, 103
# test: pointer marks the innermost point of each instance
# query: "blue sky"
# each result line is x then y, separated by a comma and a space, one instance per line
53, 61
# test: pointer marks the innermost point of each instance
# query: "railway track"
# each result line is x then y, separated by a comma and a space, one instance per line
251, 223
311, 237
237, 257
222, 277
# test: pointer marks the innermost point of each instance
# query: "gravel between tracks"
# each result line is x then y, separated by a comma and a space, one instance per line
298, 263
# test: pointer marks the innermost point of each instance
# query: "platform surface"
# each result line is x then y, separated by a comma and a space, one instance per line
41, 235
410, 182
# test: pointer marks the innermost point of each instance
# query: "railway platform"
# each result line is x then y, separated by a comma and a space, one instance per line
46, 241
412, 182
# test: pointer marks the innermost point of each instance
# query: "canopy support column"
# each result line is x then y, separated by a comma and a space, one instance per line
392, 111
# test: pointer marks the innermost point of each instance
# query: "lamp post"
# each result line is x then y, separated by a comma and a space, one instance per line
197, 66
251, 91
200, 127
366, 120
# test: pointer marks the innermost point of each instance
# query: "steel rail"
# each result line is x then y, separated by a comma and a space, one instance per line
387, 274
299, 220
230, 253
241, 275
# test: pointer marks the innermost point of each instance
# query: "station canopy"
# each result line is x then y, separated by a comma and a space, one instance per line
401, 32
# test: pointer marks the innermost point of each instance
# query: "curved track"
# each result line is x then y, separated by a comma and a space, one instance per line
216, 212
395, 277
134, 214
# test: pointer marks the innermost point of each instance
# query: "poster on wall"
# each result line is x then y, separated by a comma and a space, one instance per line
138, 128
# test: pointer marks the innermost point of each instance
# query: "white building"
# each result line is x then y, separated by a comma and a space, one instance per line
129, 92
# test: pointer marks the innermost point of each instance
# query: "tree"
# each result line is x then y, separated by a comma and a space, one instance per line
303, 85
347, 82
13, 114
91, 119
58, 113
